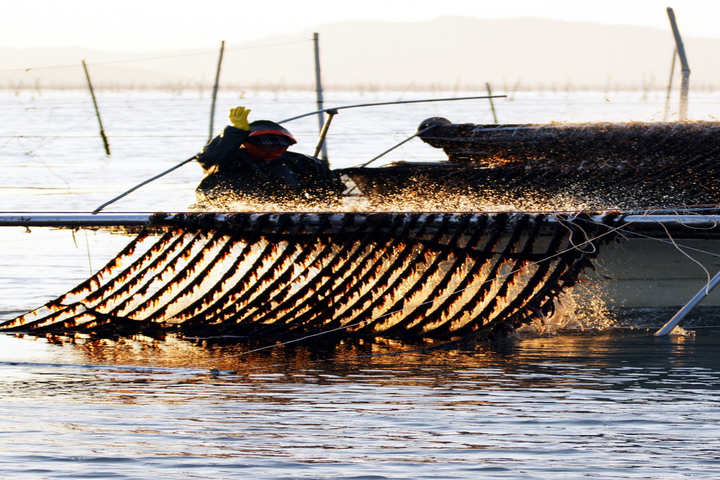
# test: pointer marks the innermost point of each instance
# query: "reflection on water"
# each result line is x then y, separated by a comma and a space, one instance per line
601, 349
609, 404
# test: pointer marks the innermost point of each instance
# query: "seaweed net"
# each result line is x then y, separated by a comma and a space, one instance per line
293, 275
595, 166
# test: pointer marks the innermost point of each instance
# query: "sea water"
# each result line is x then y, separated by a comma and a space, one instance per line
593, 400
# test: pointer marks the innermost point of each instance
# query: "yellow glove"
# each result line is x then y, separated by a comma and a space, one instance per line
239, 118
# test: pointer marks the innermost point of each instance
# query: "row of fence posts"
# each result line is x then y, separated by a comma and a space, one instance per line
318, 84
678, 52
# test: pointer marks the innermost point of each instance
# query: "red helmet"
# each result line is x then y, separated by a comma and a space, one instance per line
265, 132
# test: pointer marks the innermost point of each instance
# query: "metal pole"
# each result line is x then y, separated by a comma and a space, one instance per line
142, 184
215, 90
396, 146
669, 89
323, 132
73, 220
685, 85
97, 112
318, 85
492, 105
667, 328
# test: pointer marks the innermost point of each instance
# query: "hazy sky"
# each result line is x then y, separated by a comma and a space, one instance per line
156, 25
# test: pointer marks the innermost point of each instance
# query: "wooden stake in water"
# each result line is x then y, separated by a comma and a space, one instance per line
685, 85
492, 105
669, 89
215, 90
318, 84
97, 112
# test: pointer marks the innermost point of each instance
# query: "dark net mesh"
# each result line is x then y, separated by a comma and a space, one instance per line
289, 275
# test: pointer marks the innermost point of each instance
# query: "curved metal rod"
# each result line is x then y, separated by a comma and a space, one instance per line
399, 102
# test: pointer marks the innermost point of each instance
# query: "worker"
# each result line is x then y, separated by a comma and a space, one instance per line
249, 162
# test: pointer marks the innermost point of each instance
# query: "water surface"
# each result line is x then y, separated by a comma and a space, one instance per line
618, 404
596, 402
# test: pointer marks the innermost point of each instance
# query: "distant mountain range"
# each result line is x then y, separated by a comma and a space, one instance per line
446, 53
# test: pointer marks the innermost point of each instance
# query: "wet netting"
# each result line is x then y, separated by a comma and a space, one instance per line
292, 275
594, 166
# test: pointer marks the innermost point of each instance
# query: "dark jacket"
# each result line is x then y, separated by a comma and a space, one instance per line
231, 174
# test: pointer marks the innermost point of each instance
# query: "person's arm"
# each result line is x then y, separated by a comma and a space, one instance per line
222, 147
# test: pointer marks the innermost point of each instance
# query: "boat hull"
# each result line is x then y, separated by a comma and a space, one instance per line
654, 273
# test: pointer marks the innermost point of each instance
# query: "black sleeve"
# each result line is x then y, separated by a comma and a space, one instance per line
220, 148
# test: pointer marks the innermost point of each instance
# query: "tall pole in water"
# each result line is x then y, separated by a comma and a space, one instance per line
669, 89
318, 84
492, 105
215, 90
97, 112
685, 85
